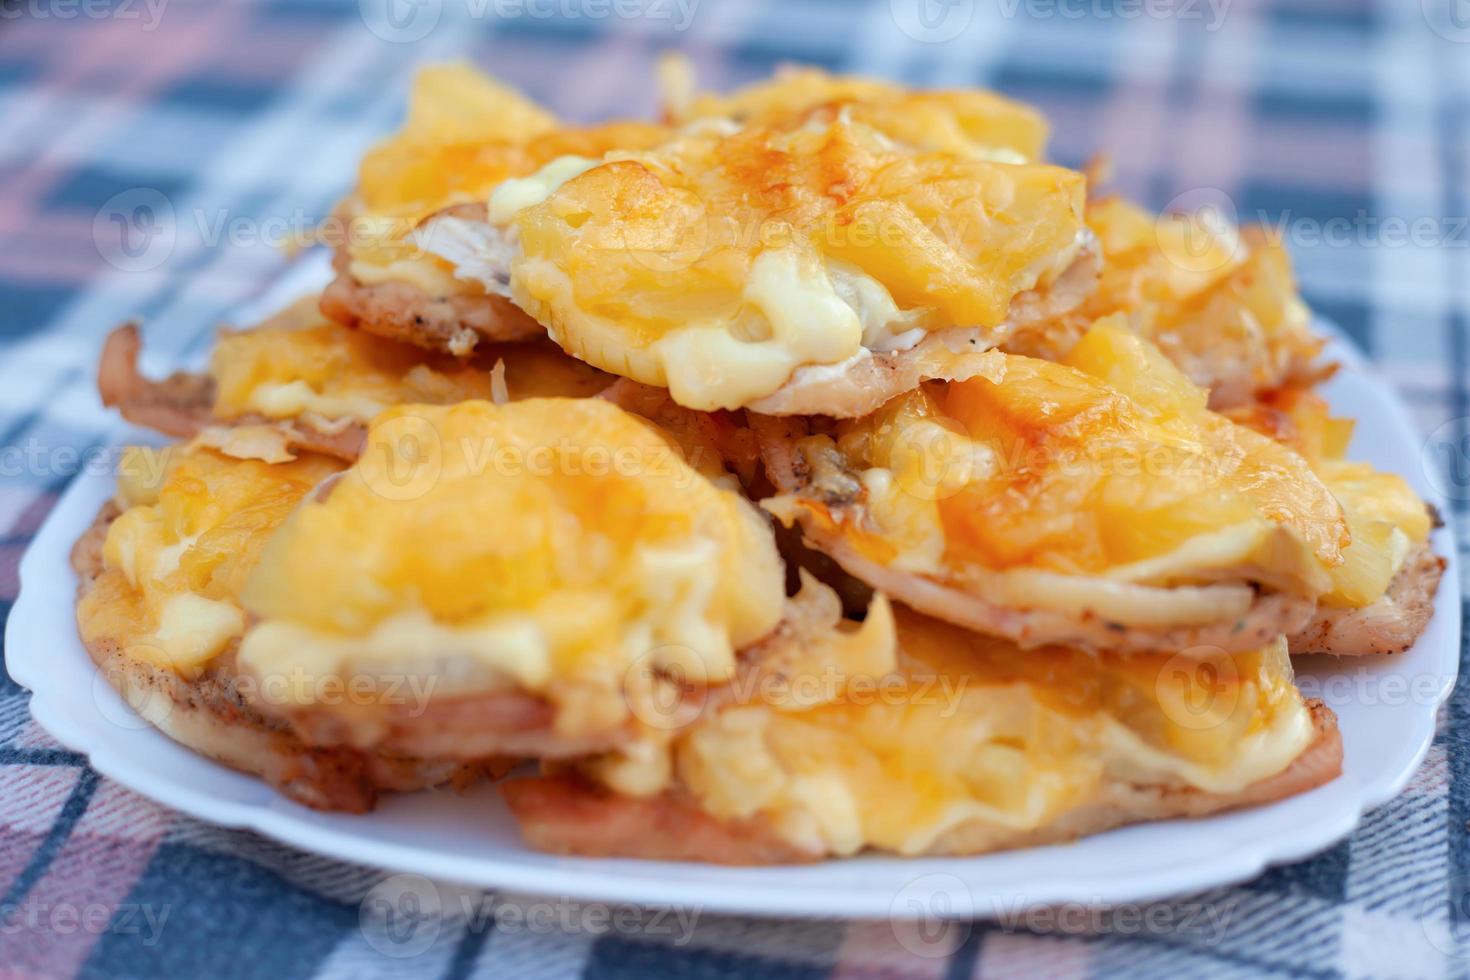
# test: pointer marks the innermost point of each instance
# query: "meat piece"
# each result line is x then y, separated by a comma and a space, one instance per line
182, 405
1390, 625
405, 312
207, 714
1268, 616
402, 311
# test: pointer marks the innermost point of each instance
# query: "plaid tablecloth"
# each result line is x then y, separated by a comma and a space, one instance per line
153, 153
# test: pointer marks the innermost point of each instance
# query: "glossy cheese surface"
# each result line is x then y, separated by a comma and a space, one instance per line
548, 545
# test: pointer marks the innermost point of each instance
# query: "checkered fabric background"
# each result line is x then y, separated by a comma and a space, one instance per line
244, 120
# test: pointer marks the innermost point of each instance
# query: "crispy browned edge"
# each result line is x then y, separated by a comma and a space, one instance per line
1270, 615
182, 404
207, 714
1390, 625
566, 814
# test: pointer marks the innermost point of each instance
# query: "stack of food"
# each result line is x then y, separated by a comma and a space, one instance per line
815, 470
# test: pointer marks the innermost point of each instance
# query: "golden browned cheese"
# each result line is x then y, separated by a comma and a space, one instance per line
964, 122
547, 545
966, 733
1220, 303
299, 363
1386, 518
1106, 466
192, 526
465, 133
719, 263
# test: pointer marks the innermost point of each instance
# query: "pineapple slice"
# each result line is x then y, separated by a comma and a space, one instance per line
465, 134
1386, 518
1123, 466
969, 735
969, 123
299, 362
720, 263
568, 543
193, 525
1102, 488
1221, 304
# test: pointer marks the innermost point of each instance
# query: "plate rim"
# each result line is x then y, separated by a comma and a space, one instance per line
638, 882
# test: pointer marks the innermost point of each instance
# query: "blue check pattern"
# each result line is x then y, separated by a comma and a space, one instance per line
156, 153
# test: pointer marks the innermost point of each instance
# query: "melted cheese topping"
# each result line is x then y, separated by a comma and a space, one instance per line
1071, 485
513, 196
1385, 517
971, 123
465, 134
175, 560
1220, 303
300, 363
971, 735
553, 544
720, 262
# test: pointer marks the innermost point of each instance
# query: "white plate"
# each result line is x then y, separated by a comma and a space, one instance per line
1386, 708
